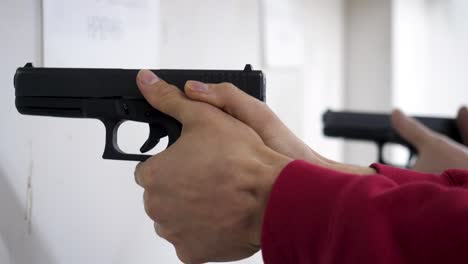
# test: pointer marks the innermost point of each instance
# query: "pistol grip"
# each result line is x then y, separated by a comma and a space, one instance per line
380, 146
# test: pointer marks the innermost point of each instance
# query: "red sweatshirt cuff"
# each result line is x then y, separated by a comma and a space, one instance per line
404, 176
298, 184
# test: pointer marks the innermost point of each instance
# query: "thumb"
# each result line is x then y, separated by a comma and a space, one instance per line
238, 104
164, 97
411, 129
462, 123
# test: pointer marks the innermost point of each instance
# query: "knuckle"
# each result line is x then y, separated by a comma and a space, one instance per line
227, 85
427, 137
439, 139
262, 104
267, 112
169, 101
267, 117
157, 229
158, 211
227, 89
139, 172
151, 209
168, 235
146, 197
182, 257
167, 91
144, 175
428, 142
226, 95
187, 258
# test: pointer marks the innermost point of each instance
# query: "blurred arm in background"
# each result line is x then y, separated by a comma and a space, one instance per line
437, 153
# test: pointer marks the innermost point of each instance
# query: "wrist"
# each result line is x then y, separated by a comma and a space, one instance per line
347, 168
271, 166
319, 160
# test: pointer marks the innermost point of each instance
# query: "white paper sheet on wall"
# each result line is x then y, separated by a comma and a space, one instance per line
104, 34
101, 33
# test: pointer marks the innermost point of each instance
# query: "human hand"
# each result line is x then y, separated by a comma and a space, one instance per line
207, 192
436, 152
264, 121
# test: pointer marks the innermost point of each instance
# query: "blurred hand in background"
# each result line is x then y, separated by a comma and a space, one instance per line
436, 152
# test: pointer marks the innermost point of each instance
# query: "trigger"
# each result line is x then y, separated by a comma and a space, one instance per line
156, 133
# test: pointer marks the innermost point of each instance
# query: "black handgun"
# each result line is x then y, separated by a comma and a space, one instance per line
378, 128
111, 95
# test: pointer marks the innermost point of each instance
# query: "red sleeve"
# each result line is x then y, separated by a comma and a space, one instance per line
317, 215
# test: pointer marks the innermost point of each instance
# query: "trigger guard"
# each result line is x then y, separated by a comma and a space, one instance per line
156, 133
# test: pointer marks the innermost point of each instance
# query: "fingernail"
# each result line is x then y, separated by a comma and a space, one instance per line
464, 109
147, 77
198, 86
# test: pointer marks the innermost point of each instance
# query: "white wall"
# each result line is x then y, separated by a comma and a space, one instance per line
20, 42
323, 74
88, 210
300, 95
430, 56
85, 209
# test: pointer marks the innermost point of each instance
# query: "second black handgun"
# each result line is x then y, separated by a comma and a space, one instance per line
378, 128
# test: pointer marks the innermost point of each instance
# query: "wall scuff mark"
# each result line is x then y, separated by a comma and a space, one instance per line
29, 192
